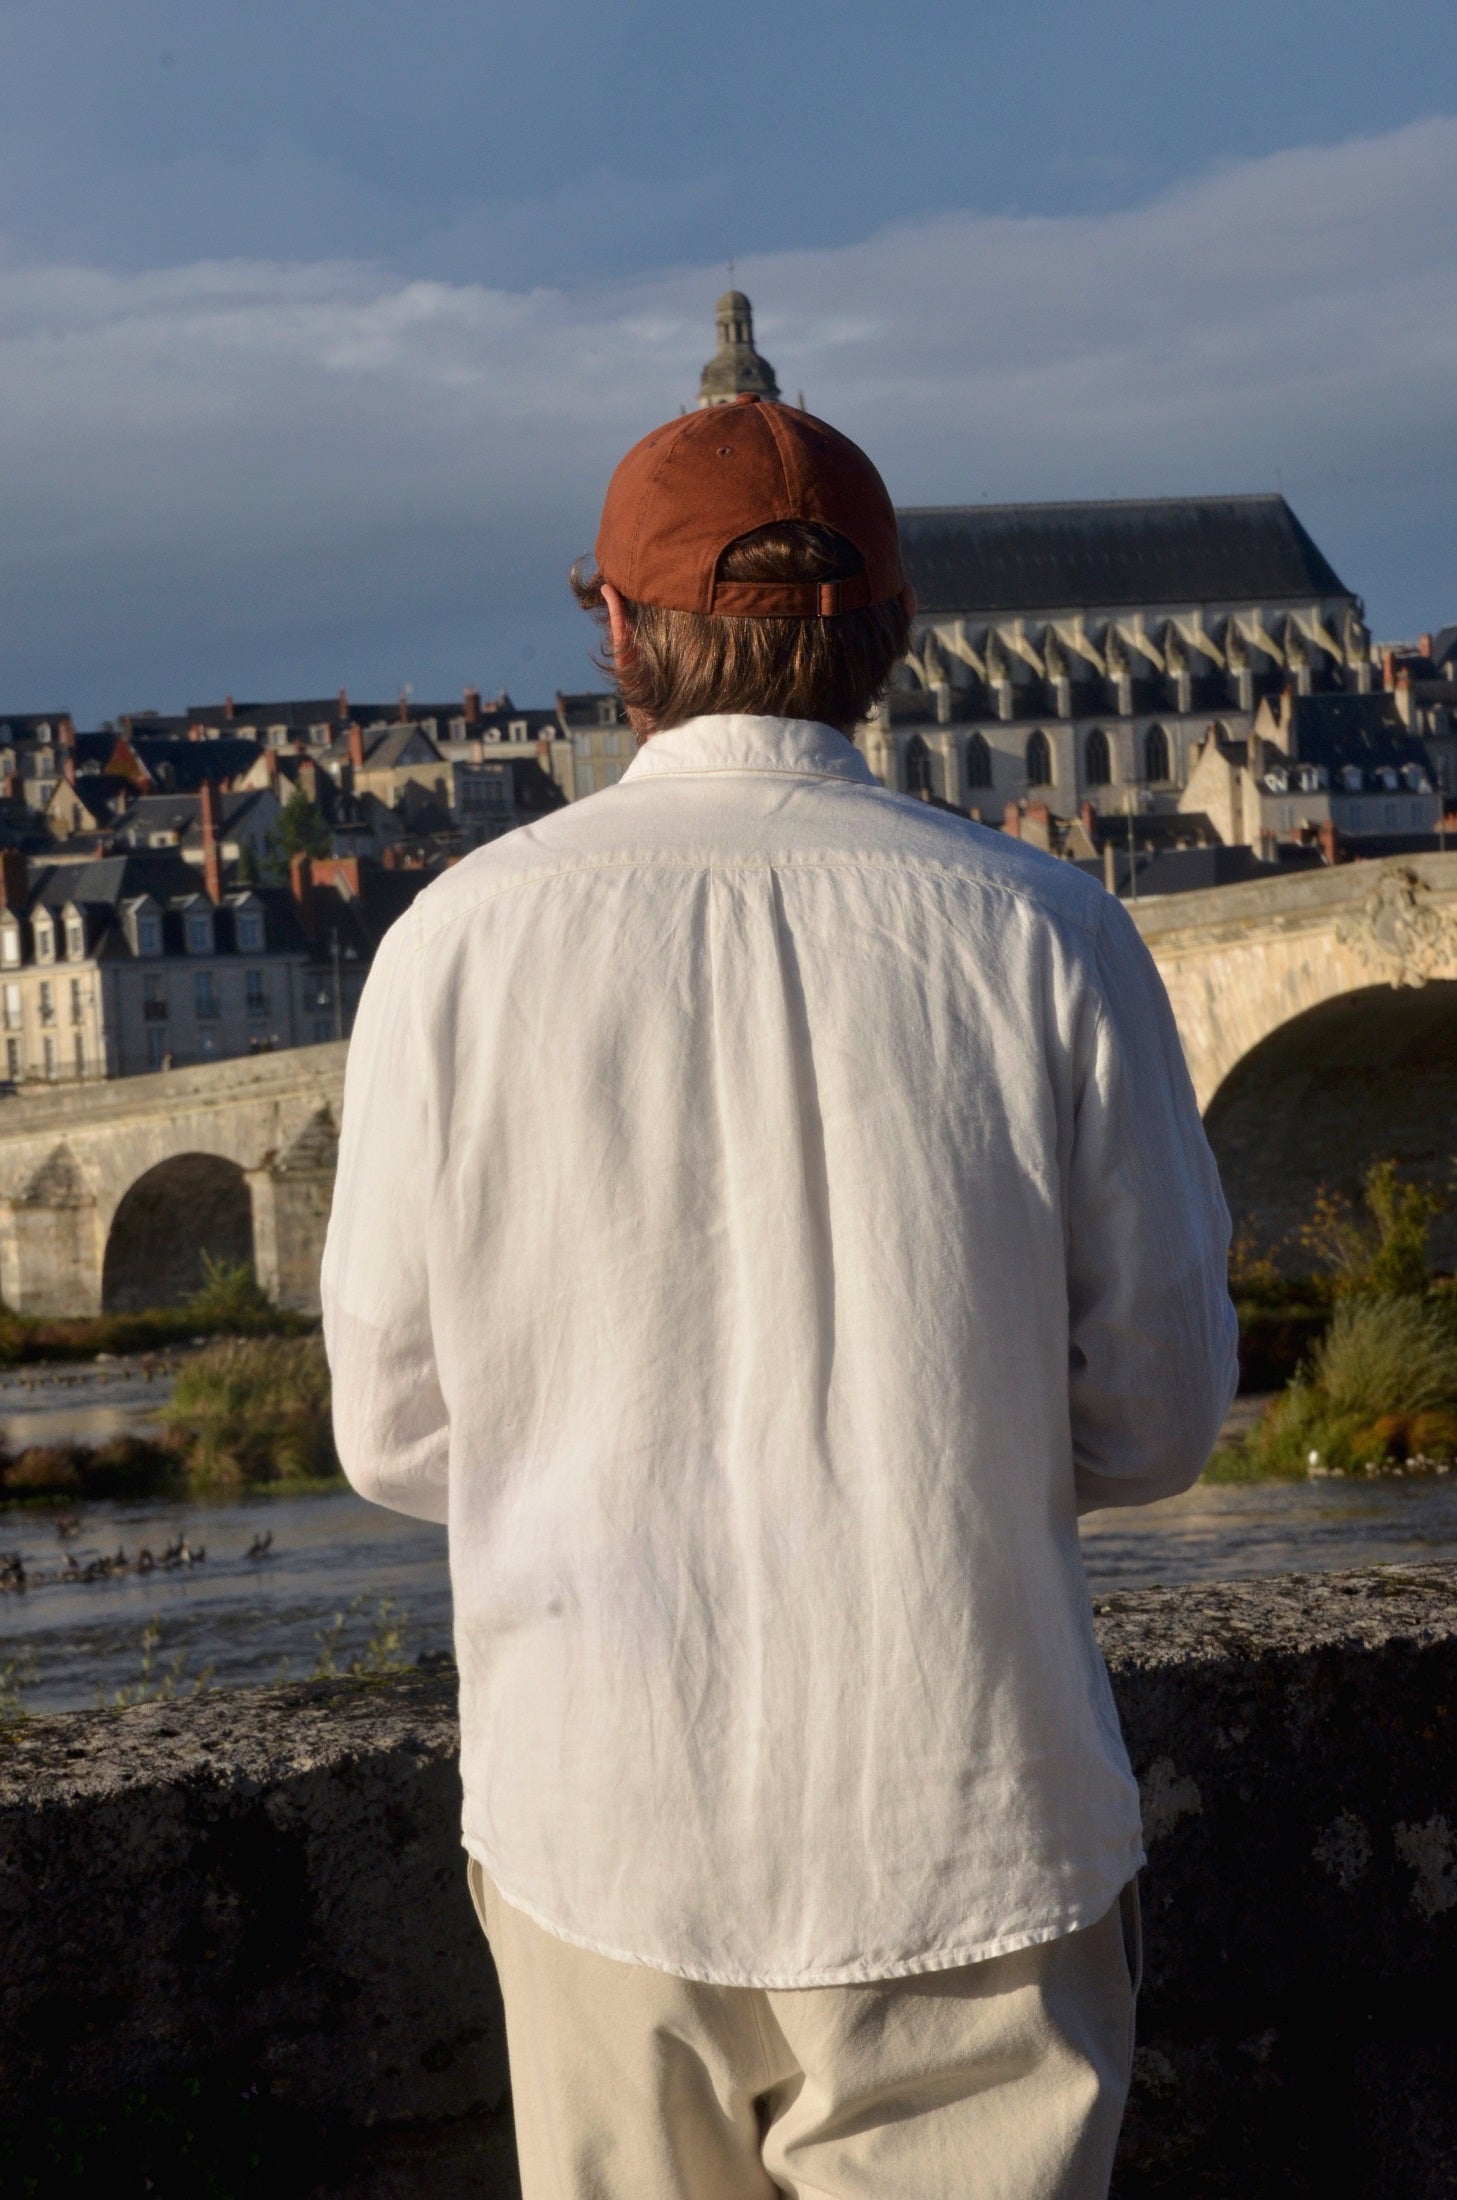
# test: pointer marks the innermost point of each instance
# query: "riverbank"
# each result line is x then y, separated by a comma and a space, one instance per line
241, 1412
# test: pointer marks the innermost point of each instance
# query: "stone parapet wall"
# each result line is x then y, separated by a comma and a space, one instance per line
239, 1957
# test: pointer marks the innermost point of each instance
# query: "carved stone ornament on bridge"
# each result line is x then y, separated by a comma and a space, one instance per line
1401, 932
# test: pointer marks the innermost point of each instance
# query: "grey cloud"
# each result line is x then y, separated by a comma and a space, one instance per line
252, 476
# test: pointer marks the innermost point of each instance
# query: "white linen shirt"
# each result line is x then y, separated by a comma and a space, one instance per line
768, 1210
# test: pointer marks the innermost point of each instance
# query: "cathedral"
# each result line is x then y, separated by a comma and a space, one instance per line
1088, 653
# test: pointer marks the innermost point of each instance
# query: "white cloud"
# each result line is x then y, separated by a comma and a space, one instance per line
238, 474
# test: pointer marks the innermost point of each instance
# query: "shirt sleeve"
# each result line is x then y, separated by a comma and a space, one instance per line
1152, 1334
391, 1427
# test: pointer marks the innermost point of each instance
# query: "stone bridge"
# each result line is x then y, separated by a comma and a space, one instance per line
1319, 1021
1318, 1015
111, 1194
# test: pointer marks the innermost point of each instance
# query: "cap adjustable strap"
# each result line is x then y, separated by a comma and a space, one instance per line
790, 599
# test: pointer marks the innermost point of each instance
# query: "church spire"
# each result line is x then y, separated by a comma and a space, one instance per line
735, 366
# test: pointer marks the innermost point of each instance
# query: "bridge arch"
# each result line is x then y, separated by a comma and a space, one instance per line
188, 1206
1367, 1074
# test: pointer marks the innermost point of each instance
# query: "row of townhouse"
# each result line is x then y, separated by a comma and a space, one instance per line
124, 964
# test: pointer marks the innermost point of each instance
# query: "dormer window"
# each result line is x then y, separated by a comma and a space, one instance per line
45, 939
10, 943
149, 932
199, 932
1353, 779
75, 938
1387, 776
1416, 778
1277, 782
518, 729
249, 923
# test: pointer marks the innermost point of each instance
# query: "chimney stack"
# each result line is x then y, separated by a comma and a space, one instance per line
301, 885
14, 893
68, 766
1089, 818
1388, 668
343, 702
212, 870
1427, 646
228, 707
472, 706
356, 747
404, 710
1012, 820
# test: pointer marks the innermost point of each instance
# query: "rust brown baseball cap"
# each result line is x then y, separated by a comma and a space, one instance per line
688, 490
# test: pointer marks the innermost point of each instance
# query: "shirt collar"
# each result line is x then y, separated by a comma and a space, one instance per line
730, 742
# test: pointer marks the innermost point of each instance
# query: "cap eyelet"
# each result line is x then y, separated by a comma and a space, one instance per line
725, 450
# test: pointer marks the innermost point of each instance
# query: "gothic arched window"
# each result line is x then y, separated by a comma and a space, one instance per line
918, 766
1039, 761
1156, 764
978, 762
1097, 759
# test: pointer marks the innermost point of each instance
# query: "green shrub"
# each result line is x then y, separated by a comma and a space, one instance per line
1380, 1385
254, 1410
229, 1296
1383, 1253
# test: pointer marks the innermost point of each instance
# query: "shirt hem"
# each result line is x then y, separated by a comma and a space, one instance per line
1071, 1919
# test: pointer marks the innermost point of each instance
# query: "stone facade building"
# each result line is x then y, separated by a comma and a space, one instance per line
1082, 652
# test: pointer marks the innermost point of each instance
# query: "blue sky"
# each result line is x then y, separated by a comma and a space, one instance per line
321, 326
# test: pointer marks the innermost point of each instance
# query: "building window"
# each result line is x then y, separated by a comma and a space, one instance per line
917, 766
154, 1002
323, 1033
611, 773
583, 776
1157, 766
582, 744
12, 1060
12, 1008
78, 1004
205, 993
199, 932
1097, 759
978, 762
79, 1047
75, 939
257, 999
45, 940
607, 712
50, 1055
609, 744
156, 1046
1039, 761
10, 945
47, 1002
250, 932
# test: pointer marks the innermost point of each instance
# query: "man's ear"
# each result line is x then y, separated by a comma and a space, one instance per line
617, 623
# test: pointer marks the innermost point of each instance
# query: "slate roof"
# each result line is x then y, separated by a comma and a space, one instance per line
998, 558
180, 767
1335, 730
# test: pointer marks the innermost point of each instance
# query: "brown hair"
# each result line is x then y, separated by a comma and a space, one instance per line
685, 664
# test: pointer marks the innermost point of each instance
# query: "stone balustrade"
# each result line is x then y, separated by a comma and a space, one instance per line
238, 1956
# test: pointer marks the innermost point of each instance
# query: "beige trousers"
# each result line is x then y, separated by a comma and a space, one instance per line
1002, 2080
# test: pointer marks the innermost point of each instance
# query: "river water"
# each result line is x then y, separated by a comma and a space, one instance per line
337, 1571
